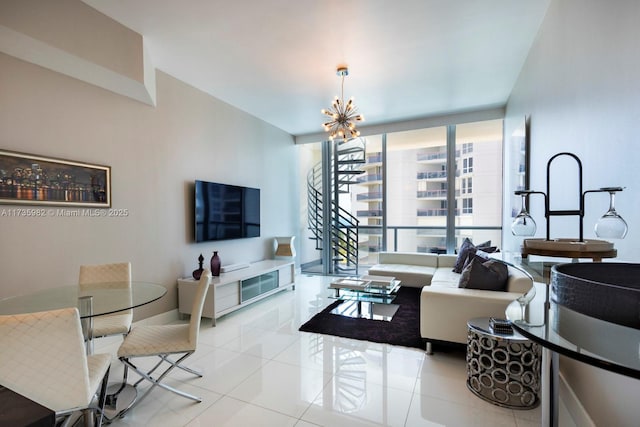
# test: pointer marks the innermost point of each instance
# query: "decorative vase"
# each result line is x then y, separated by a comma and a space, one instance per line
197, 273
215, 264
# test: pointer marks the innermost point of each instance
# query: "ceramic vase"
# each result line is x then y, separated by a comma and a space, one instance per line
215, 264
197, 273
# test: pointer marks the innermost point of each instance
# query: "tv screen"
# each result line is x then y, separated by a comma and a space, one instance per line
225, 211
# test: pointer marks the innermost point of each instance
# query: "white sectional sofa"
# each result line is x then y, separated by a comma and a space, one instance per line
444, 307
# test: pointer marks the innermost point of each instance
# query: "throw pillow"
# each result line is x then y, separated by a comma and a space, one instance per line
501, 271
482, 253
463, 254
467, 250
490, 275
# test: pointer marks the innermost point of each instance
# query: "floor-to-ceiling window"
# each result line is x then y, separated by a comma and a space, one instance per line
478, 213
417, 190
426, 190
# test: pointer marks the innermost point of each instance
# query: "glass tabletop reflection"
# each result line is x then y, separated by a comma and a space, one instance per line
109, 300
590, 340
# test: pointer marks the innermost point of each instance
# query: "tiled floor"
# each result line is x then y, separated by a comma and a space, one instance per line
259, 370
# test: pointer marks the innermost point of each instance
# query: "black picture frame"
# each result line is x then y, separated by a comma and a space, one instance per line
29, 179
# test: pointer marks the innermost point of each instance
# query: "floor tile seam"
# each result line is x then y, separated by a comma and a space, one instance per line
298, 365
294, 342
327, 378
236, 352
406, 418
378, 383
263, 407
219, 397
320, 393
187, 381
247, 376
457, 401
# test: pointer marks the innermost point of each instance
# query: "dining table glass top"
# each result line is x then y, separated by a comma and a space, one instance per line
111, 298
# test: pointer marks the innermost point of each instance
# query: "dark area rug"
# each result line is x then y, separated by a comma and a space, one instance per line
403, 329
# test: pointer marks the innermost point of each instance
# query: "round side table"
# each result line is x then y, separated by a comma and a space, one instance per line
503, 369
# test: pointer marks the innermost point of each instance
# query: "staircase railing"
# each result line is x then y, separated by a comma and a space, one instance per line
344, 225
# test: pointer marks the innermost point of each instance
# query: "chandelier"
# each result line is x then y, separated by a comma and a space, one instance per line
342, 116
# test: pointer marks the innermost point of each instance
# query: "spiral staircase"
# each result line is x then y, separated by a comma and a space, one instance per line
345, 166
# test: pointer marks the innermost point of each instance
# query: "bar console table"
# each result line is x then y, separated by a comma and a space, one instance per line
236, 289
562, 331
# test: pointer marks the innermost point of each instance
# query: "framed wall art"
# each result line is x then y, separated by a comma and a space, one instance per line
37, 180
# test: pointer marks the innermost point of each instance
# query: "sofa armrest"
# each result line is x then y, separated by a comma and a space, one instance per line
519, 281
444, 312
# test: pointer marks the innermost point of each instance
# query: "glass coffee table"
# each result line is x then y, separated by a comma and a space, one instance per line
369, 297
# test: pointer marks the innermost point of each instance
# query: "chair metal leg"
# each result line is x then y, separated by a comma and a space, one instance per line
183, 367
157, 382
102, 399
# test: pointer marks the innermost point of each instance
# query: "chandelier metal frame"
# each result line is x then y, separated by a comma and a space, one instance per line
342, 116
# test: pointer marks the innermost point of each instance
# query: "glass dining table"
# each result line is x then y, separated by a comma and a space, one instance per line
105, 301
111, 298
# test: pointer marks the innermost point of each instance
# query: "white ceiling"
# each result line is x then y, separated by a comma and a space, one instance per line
276, 59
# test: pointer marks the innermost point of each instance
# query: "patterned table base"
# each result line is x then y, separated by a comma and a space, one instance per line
503, 372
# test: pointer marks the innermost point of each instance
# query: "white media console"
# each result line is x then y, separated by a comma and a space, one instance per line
238, 288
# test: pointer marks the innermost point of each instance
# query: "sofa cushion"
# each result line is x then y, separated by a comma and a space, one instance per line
490, 275
445, 277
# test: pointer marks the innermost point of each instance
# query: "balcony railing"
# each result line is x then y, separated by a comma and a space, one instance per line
370, 177
440, 155
434, 193
435, 212
369, 213
434, 175
374, 158
372, 195
397, 233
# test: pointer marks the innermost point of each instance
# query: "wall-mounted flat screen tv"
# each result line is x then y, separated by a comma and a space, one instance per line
225, 211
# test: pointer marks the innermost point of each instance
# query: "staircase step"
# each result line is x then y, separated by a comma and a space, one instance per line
352, 161
350, 150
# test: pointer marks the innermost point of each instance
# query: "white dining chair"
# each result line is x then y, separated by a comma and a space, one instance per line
42, 357
107, 276
171, 343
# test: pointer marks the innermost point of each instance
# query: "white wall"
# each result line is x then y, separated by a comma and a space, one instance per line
580, 86
155, 154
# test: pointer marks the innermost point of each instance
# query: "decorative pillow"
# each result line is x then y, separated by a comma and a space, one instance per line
467, 251
481, 253
490, 275
463, 254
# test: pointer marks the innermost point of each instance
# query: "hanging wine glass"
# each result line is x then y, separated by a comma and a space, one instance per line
524, 301
611, 225
523, 224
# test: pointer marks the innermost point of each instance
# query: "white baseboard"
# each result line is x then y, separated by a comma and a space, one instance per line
576, 411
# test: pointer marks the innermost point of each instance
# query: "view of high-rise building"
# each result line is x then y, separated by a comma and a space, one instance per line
409, 179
